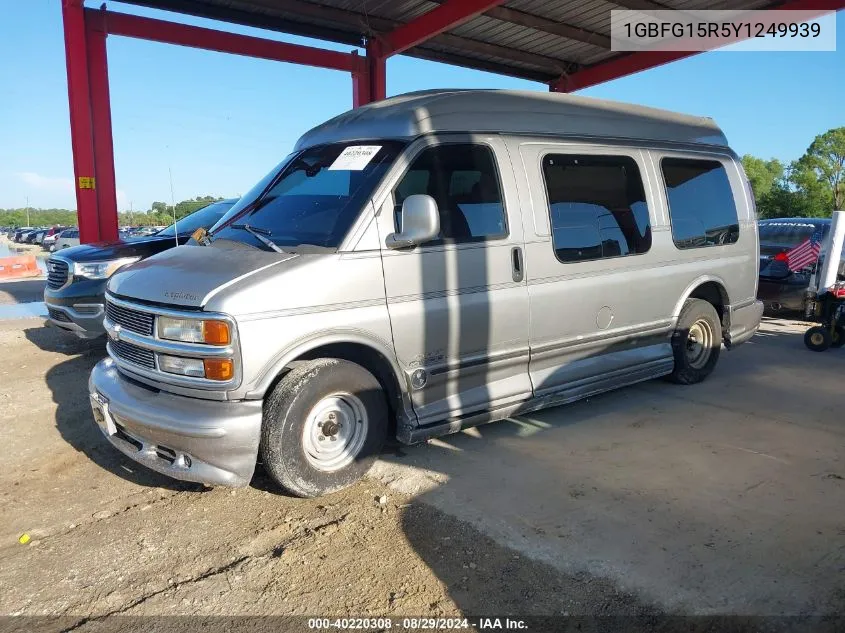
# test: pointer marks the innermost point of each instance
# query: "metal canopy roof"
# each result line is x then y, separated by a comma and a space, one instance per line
540, 40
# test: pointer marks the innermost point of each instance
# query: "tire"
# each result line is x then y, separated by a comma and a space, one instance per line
295, 450
818, 338
838, 339
696, 343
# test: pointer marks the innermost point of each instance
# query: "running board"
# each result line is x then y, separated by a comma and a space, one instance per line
566, 395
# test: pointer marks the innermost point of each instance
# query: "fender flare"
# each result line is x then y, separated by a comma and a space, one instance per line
302, 346
698, 281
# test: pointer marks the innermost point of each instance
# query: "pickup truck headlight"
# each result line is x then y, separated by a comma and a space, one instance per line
210, 331
101, 270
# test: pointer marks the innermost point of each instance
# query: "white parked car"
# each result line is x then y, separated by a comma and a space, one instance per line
68, 237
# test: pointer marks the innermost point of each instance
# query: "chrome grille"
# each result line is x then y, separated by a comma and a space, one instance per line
132, 354
132, 320
57, 273
58, 315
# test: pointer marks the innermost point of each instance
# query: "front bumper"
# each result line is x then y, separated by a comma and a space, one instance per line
743, 322
85, 320
78, 307
185, 438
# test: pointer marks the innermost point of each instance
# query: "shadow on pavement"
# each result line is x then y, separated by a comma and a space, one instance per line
714, 498
68, 383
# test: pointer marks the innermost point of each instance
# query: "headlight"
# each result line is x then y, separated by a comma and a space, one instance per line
210, 331
101, 270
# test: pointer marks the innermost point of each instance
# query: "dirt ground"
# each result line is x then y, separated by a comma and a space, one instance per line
109, 537
722, 498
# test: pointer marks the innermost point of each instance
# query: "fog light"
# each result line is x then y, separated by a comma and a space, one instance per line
219, 368
182, 366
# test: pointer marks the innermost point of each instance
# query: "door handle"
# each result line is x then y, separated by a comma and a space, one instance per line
516, 264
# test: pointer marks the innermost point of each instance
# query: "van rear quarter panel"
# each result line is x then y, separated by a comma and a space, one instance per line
651, 286
619, 311
734, 266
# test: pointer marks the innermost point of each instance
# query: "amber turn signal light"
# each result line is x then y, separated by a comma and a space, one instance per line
219, 368
216, 332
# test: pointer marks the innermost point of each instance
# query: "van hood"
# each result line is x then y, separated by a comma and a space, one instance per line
191, 275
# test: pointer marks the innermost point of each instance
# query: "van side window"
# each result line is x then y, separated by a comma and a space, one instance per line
702, 209
597, 207
464, 181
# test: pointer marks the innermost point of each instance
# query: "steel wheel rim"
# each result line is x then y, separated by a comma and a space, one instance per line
699, 344
335, 432
817, 338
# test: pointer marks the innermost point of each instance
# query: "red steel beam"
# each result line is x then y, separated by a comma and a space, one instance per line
98, 82
220, 41
369, 82
81, 119
377, 66
636, 62
447, 16
616, 68
361, 93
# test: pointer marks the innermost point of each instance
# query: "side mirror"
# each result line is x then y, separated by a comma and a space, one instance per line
420, 223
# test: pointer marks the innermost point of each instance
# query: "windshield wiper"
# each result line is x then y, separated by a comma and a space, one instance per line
259, 234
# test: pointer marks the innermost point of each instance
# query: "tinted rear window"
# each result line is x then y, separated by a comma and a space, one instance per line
701, 203
785, 233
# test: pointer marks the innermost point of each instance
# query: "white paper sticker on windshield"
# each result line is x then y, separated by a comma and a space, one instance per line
355, 158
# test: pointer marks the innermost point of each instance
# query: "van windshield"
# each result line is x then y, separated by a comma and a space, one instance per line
312, 199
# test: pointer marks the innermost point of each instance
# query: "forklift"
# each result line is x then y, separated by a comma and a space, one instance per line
826, 295
826, 308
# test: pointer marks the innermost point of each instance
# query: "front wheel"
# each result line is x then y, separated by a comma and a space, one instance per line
818, 338
323, 427
696, 342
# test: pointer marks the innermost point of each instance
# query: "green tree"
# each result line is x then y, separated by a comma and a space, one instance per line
820, 172
762, 174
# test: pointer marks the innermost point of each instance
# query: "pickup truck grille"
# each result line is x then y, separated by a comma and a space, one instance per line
132, 354
57, 273
132, 320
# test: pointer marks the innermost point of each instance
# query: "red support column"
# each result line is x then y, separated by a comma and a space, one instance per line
81, 127
377, 64
369, 79
98, 83
360, 82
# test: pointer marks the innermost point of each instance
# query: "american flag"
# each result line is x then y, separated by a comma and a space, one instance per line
806, 253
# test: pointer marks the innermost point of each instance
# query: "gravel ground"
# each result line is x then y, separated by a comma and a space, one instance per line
721, 498
109, 537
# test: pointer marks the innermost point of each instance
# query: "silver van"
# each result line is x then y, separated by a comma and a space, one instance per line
424, 264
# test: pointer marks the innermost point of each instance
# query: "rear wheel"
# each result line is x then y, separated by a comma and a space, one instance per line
818, 338
696, 342
323, 427
838, 338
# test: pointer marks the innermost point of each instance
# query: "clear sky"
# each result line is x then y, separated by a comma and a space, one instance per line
219, 122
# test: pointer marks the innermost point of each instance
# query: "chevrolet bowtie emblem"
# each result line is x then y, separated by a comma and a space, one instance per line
113, 331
